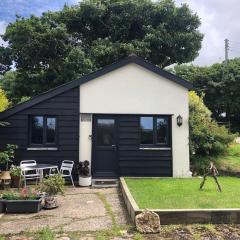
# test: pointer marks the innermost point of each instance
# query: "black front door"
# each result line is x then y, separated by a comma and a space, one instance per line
104, 162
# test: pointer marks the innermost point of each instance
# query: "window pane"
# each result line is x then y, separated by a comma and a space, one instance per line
37, 130
105, 132
146, 128
162, 130
51, 129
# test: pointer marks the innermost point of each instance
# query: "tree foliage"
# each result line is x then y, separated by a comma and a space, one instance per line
220, 84
4, 102
60, 46
207, 138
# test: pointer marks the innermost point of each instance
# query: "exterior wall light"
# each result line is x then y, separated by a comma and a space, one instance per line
179, 120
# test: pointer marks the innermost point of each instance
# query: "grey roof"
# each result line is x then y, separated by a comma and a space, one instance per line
65, 87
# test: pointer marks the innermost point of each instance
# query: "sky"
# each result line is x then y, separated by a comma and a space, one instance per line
220, 20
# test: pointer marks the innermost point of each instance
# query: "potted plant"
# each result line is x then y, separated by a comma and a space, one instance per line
24, 201
15, 173
5, 158
51, 186
85, 178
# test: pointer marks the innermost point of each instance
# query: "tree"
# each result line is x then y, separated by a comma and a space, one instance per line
61, 46
220, 84
4, 103
5, 59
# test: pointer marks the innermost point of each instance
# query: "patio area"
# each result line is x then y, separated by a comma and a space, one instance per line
80, 210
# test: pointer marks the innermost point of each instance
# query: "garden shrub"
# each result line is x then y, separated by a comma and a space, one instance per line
207, 138
4, 102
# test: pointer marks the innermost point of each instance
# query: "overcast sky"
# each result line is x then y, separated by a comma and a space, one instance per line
220, 20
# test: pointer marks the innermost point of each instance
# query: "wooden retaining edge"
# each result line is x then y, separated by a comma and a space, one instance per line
182, 216
132, 206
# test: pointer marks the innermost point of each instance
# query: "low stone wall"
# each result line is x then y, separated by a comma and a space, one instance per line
182, 216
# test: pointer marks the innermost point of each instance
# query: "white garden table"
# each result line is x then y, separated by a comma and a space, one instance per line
40, 167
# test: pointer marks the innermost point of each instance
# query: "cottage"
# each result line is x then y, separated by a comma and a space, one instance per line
127, 119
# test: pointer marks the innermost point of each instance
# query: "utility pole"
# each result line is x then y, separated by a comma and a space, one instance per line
226, 49
225, 71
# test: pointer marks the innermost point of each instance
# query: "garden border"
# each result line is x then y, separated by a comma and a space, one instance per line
182, 216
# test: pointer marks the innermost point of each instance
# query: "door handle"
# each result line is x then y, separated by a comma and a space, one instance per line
113, 145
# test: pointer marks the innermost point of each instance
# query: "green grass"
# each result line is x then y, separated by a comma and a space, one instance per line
230, 162
176, 193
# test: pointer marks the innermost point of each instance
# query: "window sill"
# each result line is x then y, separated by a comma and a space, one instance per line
155, 148
42, 148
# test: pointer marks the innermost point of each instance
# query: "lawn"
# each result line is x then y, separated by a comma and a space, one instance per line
176, 193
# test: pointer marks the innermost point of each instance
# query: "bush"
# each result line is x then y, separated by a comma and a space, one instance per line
207, 138
15, 171
52, 185
4, 103
8, 155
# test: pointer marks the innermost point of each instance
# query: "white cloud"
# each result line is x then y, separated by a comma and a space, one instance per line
220, 20
3, 26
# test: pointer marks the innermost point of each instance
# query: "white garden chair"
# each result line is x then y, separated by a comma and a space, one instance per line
29, 174
66, 169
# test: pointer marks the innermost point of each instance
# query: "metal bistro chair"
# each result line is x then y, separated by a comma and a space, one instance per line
66, 169
29, 174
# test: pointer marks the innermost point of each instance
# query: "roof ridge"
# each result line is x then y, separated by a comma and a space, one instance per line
131, 58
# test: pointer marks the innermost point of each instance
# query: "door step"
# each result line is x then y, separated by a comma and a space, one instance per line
105, 183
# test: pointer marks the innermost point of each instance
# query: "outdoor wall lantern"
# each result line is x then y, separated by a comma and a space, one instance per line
179, 120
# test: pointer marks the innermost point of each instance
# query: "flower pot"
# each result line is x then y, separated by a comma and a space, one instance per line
50, 202
85, 181
2, 206
5, 175
15, 181
23, 206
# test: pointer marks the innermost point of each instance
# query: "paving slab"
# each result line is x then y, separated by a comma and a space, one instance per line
90, 224
80, 209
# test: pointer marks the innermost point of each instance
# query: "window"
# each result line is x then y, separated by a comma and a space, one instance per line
146, 125
43, 130
105, 132
155, 130
162, 130
51, 130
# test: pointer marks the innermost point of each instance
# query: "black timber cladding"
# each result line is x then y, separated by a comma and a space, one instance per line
136, 162
65, 107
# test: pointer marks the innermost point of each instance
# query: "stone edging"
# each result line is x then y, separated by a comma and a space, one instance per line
182, 216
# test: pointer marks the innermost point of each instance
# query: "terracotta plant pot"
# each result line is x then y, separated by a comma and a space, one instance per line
15, 181
50, 202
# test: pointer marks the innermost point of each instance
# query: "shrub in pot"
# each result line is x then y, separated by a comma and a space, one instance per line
6, 158
15, 173
51, 186
85, 178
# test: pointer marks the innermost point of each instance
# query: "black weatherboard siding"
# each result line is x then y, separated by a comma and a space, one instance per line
128, 155
136, 162
65, 107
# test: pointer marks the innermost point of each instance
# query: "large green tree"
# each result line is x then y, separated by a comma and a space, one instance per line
220, 85
60, 46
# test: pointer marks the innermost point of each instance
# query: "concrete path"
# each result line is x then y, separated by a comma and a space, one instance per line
81, 209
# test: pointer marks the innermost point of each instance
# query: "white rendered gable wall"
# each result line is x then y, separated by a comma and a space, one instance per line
133, 89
